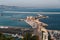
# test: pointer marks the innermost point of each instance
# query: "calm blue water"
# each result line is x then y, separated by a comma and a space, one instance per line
53, 21
8, 20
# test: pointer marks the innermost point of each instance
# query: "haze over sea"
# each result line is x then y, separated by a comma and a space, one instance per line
10, 18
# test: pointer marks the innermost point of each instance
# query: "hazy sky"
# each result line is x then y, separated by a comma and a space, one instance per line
32, 3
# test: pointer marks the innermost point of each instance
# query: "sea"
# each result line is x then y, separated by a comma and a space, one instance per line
10, 18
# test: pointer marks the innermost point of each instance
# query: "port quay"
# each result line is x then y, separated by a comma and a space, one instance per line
38, 28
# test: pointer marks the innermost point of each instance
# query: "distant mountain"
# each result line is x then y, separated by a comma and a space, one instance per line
22, 9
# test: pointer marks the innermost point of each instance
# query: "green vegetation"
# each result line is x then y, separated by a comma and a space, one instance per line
3, 37
29, 36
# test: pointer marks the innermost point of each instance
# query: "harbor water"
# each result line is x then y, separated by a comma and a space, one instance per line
11, 19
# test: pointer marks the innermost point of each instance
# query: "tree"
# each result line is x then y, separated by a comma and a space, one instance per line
3, 37
28, 36
35, 37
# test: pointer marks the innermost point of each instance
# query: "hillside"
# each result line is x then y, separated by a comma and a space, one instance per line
23, 9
